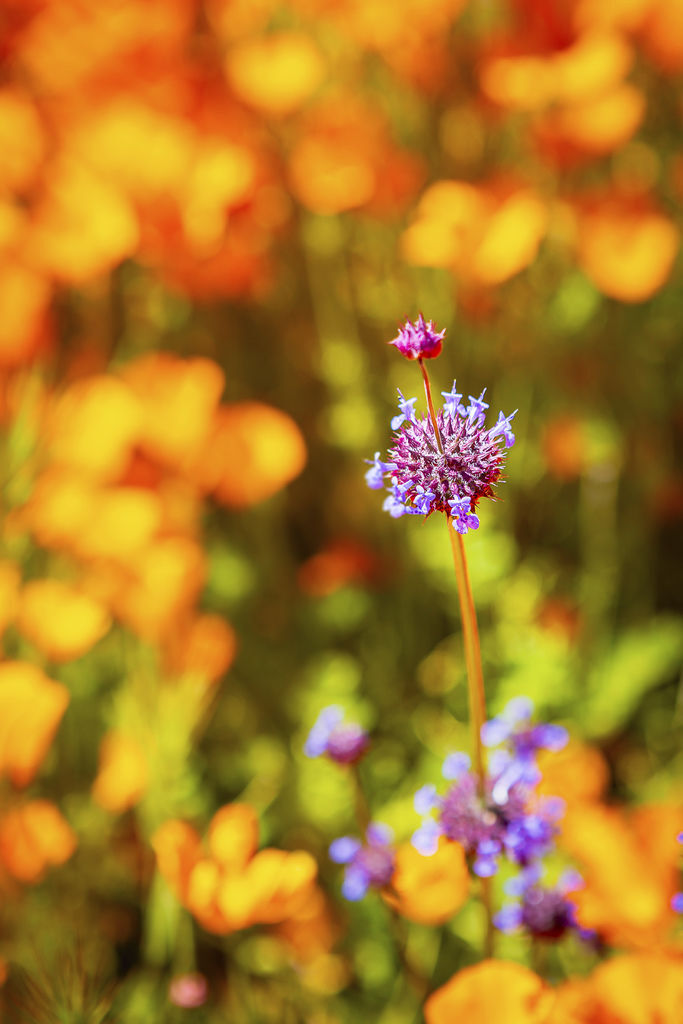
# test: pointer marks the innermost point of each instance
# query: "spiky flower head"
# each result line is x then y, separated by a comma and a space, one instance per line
449, 473
419, 340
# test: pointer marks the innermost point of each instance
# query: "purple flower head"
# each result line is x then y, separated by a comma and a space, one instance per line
419, 340
546, 912
369, 864
455, 474
677, 902
342, 742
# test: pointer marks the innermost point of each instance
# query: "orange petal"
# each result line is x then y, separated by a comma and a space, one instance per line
32, 837
233, 836
430, 889
494, 990
275, 73
62, 622
122, 776
254, 451
178, 849
31, 707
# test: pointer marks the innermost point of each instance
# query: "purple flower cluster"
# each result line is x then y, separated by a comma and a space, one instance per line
419, 340
449, 474
369, 864
546, 912
507, 819
343, 742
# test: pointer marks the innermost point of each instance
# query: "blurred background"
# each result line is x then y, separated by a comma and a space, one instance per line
214, 214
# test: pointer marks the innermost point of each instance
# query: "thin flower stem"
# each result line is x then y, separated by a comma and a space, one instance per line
475, 675
430, 405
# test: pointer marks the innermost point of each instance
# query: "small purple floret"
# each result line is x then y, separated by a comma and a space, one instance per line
369, 864
419, 340
343, 742
545, 912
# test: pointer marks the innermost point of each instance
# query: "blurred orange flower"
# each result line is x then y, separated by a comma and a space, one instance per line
31, 708
34, 836
626, 246
494, 990
123, 773
10, 579
231, 886
637, 988
578, 773
630, 867
178, 399
253, 451
484, 233
61, 621
429, 890
275, 73
93, 427
205, 648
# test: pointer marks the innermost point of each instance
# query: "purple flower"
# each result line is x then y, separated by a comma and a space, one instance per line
546, 912
375, 475
463, 519
509, 819
452, 403
677, 902
367, 864
449, 474
406, 410
419, 340
342, 742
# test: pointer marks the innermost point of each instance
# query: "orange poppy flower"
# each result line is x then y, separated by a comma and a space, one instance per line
25, 326
636, 988
21, 140
31, 708
205, 647
484, 233
178, 398
34, 836
93, 427
494, 990
231, 886
578, 773
275, 73
61, 621
429, 890
630, 868
123, 773
253, 452
626, 246
83, 226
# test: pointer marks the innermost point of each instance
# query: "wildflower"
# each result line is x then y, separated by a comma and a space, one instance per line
369, 864
508, 819
419, 340
342, 742
188, 990
513, 728
546, 912
449, 473
493, 990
